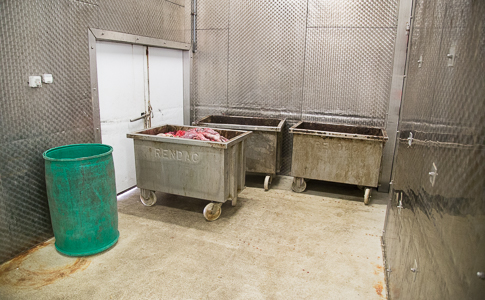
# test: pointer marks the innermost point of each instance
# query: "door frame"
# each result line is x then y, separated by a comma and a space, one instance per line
95, 35
400, 61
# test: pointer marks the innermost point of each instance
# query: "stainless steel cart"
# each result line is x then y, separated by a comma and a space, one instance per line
337, 153
263, 152
213, 171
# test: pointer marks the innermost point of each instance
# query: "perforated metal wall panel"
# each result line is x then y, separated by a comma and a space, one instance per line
52, 37
438, 228
327, 61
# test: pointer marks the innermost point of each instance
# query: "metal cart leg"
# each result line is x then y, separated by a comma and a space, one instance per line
299, 185
212, 211
367, 196
147, 197
267, 182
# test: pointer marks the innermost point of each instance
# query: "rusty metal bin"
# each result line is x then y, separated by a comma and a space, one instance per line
263, 152
337, 153
213, 171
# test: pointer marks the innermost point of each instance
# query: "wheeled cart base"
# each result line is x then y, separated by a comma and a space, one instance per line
212, 211
299, 186
207, 170
267, 181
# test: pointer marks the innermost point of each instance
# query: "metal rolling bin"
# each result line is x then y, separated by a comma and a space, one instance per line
338, 153
263, 152
212, 171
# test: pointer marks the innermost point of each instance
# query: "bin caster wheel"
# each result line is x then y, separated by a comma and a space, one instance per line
212, 211
267, 182
367, 196
147, 197
298, 185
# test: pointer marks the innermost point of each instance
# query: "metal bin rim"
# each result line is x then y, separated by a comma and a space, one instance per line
138, 135
383, 137
278, 128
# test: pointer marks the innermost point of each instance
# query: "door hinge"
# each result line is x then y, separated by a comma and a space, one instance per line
410, 139
433, 174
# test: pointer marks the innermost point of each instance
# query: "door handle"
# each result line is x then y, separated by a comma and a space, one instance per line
143, 115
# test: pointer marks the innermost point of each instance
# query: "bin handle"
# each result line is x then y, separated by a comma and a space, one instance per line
143, 115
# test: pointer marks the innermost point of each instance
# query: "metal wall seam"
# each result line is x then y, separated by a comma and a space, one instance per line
396, 92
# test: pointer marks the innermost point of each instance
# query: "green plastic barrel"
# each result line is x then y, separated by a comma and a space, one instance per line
81, 190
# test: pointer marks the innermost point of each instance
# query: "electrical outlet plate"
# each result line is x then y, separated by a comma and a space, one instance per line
35, 81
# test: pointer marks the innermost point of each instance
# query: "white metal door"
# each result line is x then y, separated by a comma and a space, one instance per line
165, 68
121, 83
129, 81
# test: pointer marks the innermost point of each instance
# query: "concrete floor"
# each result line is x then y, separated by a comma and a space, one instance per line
321, 244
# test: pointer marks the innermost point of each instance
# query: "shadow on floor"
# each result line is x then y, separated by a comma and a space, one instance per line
173, 209
320, 188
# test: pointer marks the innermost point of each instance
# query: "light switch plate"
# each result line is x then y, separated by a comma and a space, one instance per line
47, 78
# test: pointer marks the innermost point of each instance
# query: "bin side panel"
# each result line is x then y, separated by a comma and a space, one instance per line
263, 148
233, 171
242, 166
261, 152
350, 161
179, 169
279, 145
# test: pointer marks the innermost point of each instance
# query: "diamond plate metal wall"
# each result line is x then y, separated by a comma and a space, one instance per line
211, 85
266, 54
348, 75
348, 65
300, 60
214, 14
152, 18
35, 120
52, 37
188, 22
438, 228
352, 14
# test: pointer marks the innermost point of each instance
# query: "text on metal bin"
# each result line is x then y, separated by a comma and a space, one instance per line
177, 155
